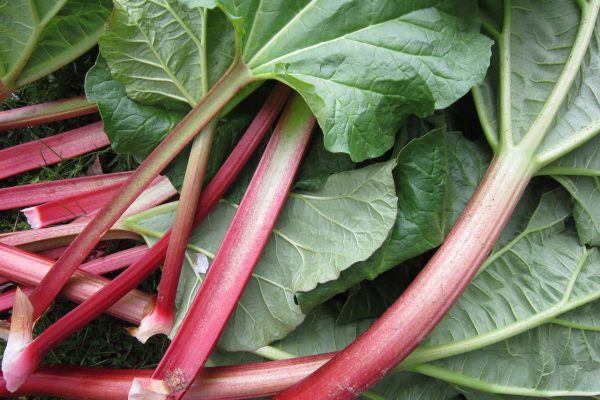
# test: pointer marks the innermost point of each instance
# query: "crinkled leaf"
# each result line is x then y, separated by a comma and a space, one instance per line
585, 192
318, 164
133, 128
363, 66
435, 177
542, 36
548, 361
318, 234
411, 386
155, 49
41, 36
136, 129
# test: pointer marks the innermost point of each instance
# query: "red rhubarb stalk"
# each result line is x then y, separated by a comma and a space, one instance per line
86, 203
38, 193
49, 238
215, 383
28, 269
25, 363
52, 150
237, 256
39, 114
160, 320
231, 83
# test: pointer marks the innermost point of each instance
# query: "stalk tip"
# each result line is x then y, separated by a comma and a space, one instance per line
154, 323
17, 365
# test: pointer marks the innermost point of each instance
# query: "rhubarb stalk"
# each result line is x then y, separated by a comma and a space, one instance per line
229, 85
215, 383
28, 269
51, 150
160, 319
38, 193
237, 256
26, 362
39, 114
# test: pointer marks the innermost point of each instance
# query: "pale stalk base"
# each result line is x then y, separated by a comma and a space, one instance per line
148, 389
16, 366
152, 324
33, 217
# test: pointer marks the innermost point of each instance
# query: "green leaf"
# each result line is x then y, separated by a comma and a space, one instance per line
411, 386
155, 49
318, 164
354, 212
362, 66
38, 37
548, 361
133, 128
543, 38
435, 176
585, 192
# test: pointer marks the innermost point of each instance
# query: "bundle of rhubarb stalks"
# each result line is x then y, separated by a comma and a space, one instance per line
325, 200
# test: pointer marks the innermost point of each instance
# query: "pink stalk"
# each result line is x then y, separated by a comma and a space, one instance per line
38, 193
49, 238
231, 83
68, 208
414, 315
51, 150
160, 190
83, 204
237, 256
23, 365
54, 253
217, 383
28, 269
160, 319
48, 112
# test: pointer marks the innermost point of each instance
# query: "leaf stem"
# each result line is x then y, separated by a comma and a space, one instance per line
505, 106
483, 113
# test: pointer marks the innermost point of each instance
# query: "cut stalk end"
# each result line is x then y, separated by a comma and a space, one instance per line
33, 217
155, 323
148, 389
17, 363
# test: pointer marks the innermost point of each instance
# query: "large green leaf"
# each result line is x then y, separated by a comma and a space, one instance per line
361, 66
41, 36
542, 38
155, 48
585, 192
318, 234
435, 177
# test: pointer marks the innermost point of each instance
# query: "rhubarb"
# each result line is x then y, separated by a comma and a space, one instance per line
245, 241
28, 269
39, 114
38, 193
51, 150
111, 293
86, 203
